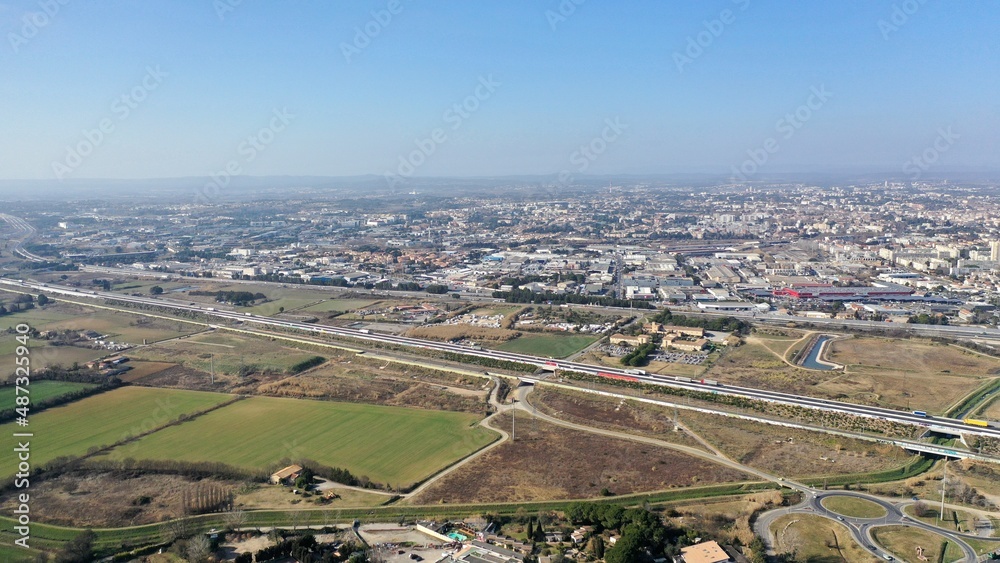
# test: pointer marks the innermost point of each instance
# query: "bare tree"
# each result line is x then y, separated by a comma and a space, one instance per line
235, 519
199, 548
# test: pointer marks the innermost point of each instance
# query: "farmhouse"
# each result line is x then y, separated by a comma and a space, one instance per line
290, 473
705, 552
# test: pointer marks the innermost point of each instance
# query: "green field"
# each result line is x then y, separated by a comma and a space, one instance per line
101, 420
556, 346
339, 305
903, 542
387, 444
853, 507
40, 390
225, 352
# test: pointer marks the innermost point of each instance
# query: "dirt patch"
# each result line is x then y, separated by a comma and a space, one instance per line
111, 500
753, 365
463, 332
791, 452
392, 386
550, 462
611, 414
141, 369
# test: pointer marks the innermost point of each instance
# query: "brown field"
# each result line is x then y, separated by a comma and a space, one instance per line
260, 496
110, 499
791, 452
992, 410
725, 518
754, 365
550, 462
897, 373
814, 538
107, 499
141, 370
460, 332
405, 386
914, 355
915, 372
611, 414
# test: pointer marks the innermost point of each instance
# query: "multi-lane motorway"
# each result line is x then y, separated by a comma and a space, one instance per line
939, 424
26, 231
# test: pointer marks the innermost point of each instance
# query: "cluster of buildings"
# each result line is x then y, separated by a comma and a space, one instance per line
729, 246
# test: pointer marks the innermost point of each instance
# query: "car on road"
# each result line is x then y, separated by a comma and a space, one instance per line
841, 518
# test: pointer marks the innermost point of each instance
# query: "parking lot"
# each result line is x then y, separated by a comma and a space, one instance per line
678, 358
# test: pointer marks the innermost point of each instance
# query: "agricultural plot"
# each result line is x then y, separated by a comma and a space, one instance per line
40, 390
554, 345
60, 316
225, 353
389, 384
280, 305
44, 354
388, 445
339, 305
70, 430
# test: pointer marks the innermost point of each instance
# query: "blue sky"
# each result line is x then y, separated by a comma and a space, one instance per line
208, 82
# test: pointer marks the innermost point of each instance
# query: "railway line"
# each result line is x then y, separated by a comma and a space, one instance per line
938, 424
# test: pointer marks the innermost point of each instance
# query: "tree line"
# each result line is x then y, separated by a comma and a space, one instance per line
518, 295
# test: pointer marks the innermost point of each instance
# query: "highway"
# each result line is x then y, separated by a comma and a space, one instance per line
945, 425
27, 231
771, 318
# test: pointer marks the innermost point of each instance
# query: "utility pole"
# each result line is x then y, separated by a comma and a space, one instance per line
212, 363
513, 415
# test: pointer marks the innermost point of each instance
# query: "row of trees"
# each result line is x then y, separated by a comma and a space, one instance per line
721, 324
518, 295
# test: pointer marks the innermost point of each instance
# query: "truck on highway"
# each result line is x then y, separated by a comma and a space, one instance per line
976, 422
364, 331
636, 371
710, 382
920, 413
